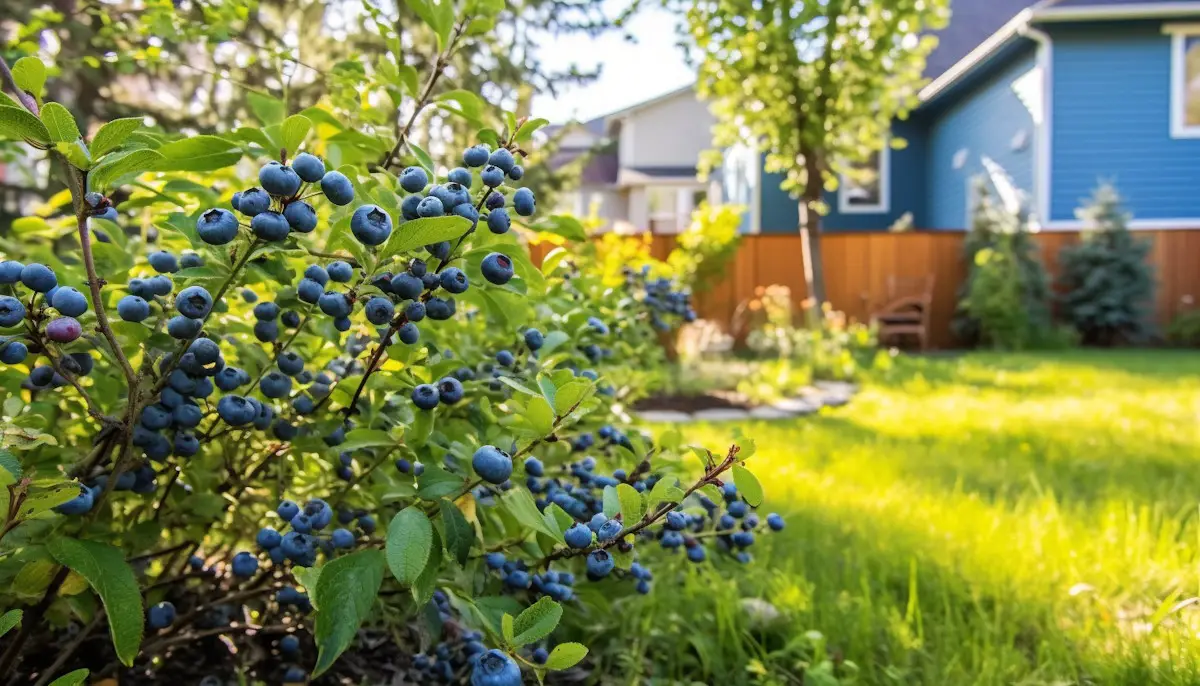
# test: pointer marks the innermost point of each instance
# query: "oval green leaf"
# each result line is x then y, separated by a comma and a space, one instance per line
345, 592
109, 575
748, 486
409, 540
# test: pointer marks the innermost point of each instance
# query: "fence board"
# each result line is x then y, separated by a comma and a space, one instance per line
857, 267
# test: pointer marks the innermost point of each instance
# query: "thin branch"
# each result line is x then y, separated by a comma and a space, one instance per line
6, 76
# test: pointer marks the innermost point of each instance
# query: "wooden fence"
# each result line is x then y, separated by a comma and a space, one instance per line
857, 266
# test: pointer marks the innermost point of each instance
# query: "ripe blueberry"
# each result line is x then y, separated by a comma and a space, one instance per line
475, 156
244, 564
454, 280
300, 216
160, 616
163, 262
194, 302
279, 179
425, 396
460, 176
379, 311
492, 176
497, 268
775, 522
578, 536
252, 202
409, 333
334, 304
599, 564
10, 271
450, 390
494, 668
498, 220
270, 226
492, 464
309, 291
236, 410
69, 302
308, 167
523, 202
38, 277
503, 159
340, 271
371, 225
430, 207
131, 308
337, 188
414, 179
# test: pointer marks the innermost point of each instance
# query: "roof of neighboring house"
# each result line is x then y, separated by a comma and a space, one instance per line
666, 172
1021, 15
971, 23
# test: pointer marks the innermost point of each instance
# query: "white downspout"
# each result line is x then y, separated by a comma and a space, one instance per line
1045, 128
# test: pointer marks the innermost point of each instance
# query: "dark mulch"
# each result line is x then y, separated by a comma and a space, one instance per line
713, 400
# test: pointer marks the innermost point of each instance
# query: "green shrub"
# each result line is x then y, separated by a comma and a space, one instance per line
374, 366
1005, 300
1106, 284
1184, 329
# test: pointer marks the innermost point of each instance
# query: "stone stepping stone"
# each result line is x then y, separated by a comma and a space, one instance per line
665, 416
720, 415
769, 412
800, 405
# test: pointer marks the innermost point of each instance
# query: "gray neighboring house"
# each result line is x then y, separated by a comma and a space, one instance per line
640, 171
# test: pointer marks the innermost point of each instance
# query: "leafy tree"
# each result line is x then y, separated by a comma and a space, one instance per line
1107, 285
814, 84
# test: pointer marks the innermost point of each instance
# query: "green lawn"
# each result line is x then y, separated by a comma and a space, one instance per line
995, 519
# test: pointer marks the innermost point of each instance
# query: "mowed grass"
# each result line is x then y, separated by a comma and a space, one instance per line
994, 519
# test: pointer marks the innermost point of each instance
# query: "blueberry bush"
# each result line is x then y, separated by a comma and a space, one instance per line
299, 388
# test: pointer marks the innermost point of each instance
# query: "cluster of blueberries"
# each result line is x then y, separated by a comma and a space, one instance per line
465, 649
301, 543
662, 298
65, 328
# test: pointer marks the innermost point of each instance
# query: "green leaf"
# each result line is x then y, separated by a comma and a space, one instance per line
71, 678
43, 496
109, 575
423, 158
549, 390
562, 225
267, 110
409, 540
295, 130
540, 416
29, 73
345, 592
435, 483
570, 395
528, 128
611, 501
566, 655
426, 584
12, 468
199, 153
632, 507
418, 432
748, 486
469, 105
521, 505
536, 622
59, 123
19, 123
117, 165
506, 628
113, 134
664, 491
513, 383
459, 535
418, 233
558, 520
552, 341
367, 438
10, 619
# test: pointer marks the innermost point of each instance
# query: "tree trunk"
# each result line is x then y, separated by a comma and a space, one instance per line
810, 240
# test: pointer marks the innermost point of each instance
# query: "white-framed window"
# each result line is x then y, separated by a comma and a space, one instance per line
867, 188
669, 208
1185, 80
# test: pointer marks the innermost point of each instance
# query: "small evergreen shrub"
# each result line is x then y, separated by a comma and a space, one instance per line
1107, 286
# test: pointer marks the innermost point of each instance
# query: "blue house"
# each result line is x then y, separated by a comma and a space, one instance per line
1046, 100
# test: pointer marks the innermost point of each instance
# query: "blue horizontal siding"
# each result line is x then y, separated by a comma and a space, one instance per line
1112, 122
981, 122
907, 192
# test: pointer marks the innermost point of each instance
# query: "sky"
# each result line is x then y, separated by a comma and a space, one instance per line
631, 72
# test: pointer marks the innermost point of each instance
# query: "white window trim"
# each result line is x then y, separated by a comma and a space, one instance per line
1179, 34
885, 187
